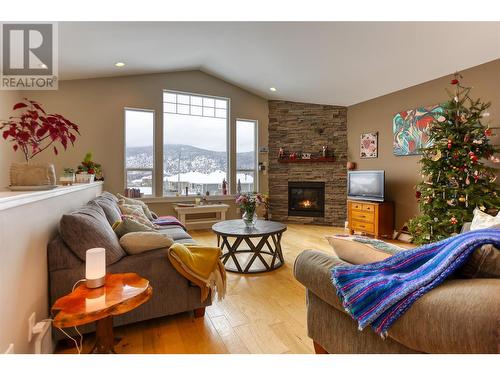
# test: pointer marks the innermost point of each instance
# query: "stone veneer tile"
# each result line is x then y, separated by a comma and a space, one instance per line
304, 127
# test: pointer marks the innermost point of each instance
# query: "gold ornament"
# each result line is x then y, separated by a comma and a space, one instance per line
461, 199
437, 156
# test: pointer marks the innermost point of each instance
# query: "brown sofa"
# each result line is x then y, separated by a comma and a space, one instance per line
459, 316
89, 227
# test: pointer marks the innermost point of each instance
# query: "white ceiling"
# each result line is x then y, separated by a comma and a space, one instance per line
339, 63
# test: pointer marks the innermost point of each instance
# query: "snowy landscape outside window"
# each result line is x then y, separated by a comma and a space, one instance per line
139, 149
246, 155
195, 143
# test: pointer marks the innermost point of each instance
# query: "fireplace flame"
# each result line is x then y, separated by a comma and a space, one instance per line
305, 203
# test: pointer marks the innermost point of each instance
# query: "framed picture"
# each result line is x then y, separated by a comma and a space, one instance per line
410, 129
368, 147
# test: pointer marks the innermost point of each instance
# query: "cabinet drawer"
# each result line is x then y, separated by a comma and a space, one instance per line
368, 207
362, 216
365, 227
356, 206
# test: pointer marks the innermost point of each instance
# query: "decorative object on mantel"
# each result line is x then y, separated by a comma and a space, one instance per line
411, 129
33, 132
351, 165
88, 170
248, 203
306, 155
310, 160
369, 145
68, 177
281, 153
324, 151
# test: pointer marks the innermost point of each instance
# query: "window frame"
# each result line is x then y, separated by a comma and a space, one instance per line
153, 169
228, 133
256, 152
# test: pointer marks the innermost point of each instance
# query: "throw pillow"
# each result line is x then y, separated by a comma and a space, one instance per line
139, 242
361, 250
110, 209
130, 224
124, 200
483, 263
137, 212
482, 220
87, 228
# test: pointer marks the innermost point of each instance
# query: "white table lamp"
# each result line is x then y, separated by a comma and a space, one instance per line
95, 267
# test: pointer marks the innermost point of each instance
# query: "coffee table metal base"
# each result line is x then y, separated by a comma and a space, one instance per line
267, 252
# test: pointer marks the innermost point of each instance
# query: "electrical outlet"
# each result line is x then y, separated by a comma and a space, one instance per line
31, 324
10, 349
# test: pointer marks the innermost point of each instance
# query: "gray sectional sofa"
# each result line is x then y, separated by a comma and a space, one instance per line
91, 226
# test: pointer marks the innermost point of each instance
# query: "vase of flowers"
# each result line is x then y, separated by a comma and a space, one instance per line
248, 204
33, 132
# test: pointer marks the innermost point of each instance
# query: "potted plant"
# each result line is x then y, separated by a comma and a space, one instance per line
89, 170
33, 132
248, 203
68, 176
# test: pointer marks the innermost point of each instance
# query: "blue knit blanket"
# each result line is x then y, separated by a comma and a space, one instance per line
377, 294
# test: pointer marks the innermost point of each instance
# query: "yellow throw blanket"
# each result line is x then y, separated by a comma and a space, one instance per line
200, 265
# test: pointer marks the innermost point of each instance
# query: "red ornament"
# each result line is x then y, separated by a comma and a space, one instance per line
454, 81
453, 220
418, 194
449, 144
488, 132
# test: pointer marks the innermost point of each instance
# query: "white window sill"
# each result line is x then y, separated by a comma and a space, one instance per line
189, 199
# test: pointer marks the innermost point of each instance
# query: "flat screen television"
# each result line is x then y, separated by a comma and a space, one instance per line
366, 185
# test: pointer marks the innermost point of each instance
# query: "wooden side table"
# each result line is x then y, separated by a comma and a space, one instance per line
121, 293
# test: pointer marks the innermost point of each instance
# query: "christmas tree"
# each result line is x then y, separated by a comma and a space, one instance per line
455, 177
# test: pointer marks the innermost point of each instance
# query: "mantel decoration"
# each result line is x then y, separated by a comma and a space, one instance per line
33, 132
248, 203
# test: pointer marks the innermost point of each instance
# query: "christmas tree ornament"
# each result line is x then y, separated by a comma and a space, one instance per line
466, 200
467, 180
454, 81
451, 202
441, 119
461, 199
488, 132
437, 155
449, 143
453, 220
466, 138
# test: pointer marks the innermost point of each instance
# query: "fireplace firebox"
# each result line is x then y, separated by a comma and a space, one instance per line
306, 199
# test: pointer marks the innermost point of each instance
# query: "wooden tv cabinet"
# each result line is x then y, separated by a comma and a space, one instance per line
374, 218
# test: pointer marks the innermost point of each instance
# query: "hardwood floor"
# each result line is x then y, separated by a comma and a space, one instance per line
262, 313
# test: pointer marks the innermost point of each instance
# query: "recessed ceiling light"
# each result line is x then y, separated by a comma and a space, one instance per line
273, 89
120, 64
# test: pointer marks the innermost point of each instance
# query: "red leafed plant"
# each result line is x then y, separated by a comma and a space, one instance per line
34, 131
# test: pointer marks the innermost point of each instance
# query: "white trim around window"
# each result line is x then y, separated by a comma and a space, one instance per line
255, 169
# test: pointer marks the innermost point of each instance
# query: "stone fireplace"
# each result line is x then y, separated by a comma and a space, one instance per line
306, 199
306, 128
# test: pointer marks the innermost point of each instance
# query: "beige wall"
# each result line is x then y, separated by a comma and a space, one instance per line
7, 155
97, 106
402, 172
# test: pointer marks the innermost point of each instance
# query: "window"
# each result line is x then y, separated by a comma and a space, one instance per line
246, 155
139, 150
195, 143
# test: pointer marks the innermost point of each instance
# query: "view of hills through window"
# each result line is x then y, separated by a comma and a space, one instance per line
195, 149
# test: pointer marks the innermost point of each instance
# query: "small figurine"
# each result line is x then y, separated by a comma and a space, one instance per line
224, 187
293, 156
324, 151
281, 153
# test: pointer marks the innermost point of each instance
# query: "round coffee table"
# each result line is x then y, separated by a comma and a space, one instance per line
256, 258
